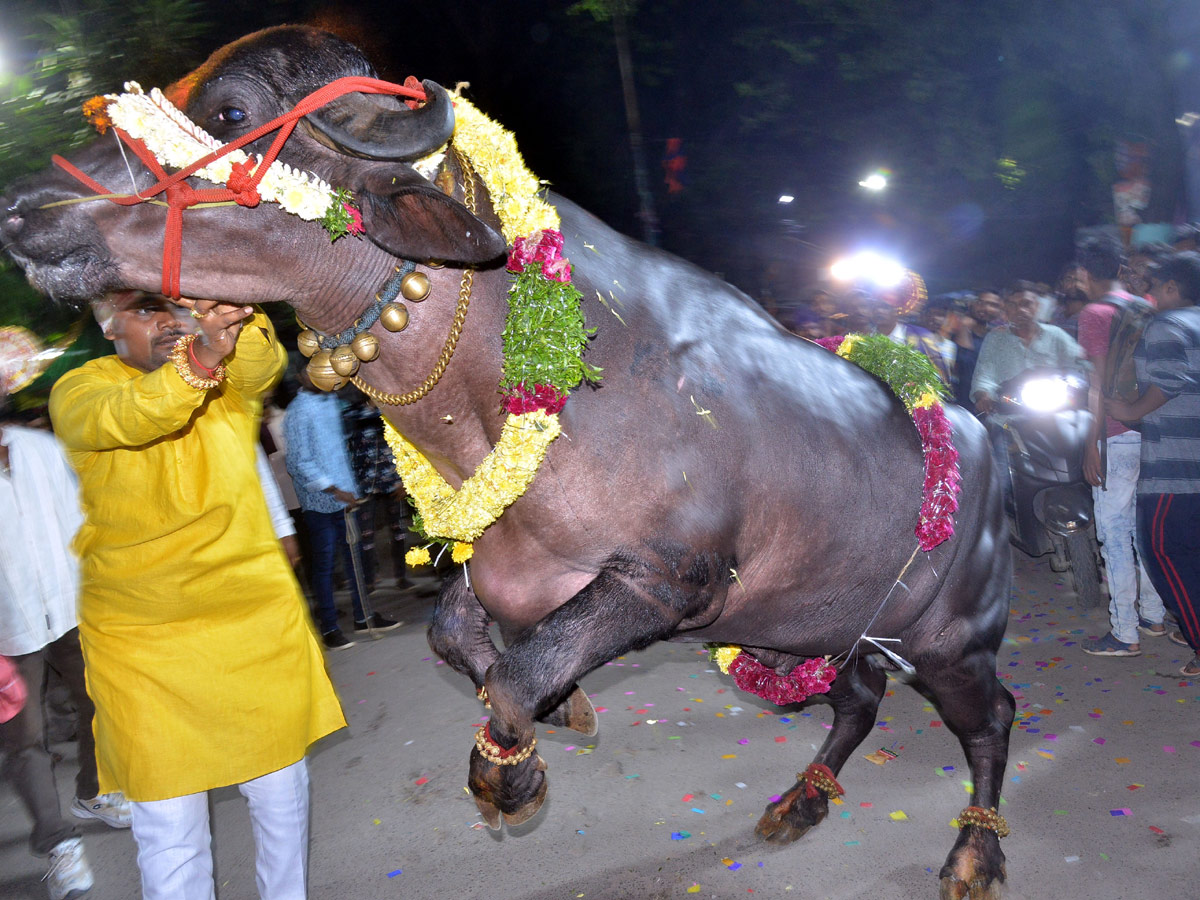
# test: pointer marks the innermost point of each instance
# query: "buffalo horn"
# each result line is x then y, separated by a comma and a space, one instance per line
378, 127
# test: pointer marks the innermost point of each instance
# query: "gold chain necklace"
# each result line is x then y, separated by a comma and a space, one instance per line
456, 325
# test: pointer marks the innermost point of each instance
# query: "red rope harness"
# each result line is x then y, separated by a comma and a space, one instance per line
243, 184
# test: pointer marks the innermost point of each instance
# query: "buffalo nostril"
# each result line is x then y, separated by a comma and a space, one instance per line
13, 220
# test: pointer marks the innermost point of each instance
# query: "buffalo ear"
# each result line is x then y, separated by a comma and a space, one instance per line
411, 218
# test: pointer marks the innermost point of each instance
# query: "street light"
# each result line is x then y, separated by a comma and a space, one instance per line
876, 181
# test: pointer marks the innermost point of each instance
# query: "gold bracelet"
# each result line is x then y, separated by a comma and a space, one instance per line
984, 818
179, 357
497, 755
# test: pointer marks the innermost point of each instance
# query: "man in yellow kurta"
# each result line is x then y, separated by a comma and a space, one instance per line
200, 655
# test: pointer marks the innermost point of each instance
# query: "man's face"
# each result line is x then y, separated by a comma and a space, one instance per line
1023, 309
987, 308
144, 328
881, 314
1166, 294
934, 318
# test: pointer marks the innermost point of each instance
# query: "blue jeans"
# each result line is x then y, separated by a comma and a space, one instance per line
327, 531
1116, 529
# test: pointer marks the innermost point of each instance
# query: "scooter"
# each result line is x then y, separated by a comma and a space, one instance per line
1042, 429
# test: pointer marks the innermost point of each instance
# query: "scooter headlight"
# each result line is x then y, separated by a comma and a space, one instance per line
1045, 394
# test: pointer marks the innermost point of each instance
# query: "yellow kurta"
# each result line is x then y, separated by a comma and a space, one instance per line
201, 657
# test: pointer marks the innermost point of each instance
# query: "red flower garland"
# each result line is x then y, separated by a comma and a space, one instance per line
813, 676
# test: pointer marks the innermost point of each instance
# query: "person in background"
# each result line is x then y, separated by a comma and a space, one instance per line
943, 318
883, 317
1025, 343
201, 659
1168, 487
1114, 486
380, 487
39, 589
1071, 301
986, 312
318, 459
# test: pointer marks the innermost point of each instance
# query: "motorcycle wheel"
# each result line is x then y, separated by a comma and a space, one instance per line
1081, 553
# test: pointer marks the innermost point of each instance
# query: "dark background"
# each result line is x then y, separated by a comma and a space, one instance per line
999, 122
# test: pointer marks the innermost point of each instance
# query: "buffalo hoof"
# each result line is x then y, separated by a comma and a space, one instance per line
787, 820
977, 889
509, 793
974, 869
575, 713
530, 809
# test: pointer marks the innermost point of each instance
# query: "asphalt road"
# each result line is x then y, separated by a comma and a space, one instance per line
1101, 789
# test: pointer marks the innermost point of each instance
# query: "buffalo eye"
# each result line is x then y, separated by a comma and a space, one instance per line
232, 114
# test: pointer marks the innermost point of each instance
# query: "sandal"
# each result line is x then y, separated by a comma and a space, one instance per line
1176, 637
1192, 669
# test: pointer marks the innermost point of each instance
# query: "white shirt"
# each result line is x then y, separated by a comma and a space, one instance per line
39, 515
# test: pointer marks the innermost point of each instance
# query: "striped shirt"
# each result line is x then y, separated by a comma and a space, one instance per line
1169, 357
39, 515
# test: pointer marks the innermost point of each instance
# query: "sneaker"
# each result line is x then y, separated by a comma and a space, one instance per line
69, 875
1151, 629
1176, 637
111, 809
1192, 669
335, 640
378, 623
1110, 646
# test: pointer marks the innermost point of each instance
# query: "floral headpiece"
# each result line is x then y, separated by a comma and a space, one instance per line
177, 141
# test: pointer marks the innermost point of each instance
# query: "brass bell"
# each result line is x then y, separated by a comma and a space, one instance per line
394, 316
415, 286
307, 342
343, 360
320, 371
365, 346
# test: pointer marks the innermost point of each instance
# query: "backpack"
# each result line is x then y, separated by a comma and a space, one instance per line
1119, 379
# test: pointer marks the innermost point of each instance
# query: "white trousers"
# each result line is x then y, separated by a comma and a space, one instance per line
174, 840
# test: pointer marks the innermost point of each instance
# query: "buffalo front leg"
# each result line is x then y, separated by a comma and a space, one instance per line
855, 695
979, 710
626, 607
458, 633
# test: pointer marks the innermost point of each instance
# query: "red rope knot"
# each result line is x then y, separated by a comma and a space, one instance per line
819, 776
413, 84
243, 184
181, 195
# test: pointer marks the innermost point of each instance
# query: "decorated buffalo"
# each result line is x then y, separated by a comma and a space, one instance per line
679, 468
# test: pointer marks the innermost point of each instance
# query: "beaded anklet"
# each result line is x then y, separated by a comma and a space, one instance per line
817, 776
984, 818
497, 755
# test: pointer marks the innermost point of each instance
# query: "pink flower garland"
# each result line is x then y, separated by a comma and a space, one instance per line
942, 479
543, 247
813, 676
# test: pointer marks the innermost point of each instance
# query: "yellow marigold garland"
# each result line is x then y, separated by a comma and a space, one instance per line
501, 478
463, 515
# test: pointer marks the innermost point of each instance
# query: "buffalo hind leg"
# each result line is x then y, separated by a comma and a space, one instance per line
855, 696
458, 633
629, 605
979, 710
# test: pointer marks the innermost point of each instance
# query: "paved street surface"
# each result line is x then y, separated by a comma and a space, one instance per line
1101, 790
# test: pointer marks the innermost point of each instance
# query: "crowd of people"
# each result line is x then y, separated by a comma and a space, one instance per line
148, 539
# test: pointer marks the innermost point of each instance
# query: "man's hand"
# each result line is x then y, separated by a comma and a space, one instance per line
219, 325
343, 496
985, 404
1093, 471
291, 547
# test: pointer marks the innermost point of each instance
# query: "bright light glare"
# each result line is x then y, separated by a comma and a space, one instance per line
874, 182
868, 266
1045, 394
786, 198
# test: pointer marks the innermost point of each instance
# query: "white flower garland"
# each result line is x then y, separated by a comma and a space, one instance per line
176, 141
